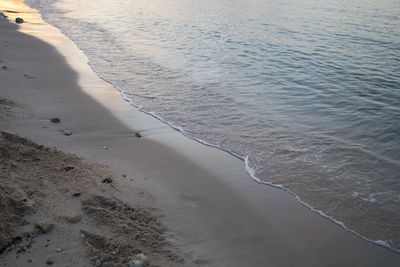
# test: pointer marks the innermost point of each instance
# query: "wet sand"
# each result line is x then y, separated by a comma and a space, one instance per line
212, 209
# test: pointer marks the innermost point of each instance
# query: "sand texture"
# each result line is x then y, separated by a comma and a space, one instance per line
43, 186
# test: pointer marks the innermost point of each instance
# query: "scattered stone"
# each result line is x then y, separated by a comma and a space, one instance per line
107, 180
138, 135
59, 250
55, 120
67, 132
44, 227
74, 218
68, 168
49, 262
139, 260
76, 194
19, 20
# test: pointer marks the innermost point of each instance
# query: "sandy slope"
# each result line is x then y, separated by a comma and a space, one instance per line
43, 185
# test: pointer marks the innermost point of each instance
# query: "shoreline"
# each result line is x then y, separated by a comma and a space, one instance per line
203, 162
244, 158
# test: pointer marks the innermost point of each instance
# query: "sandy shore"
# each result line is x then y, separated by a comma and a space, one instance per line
214, 213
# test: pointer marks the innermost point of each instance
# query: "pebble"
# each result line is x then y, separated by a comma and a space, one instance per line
49, 262
44, 227
107, 180
75, 218
19, 20
55, 120
59, 250
76, 194
68, 168
67, 132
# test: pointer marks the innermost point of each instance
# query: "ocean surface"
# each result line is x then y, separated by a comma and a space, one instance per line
307, 92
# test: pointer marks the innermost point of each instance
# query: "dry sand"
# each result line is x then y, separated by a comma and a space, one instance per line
213, 212
43, 186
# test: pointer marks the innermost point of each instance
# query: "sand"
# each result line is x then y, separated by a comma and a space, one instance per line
212, 212
43, 186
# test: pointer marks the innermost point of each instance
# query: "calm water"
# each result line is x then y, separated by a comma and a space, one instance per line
309, 90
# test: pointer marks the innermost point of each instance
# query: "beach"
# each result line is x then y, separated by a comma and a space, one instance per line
214, 214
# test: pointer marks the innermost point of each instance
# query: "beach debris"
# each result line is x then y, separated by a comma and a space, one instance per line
68, 168
19, 20
55, 120
76, 194
107, 180
139, 260
49, 262
74, 218
59, 250
44, 227
138, 135
4, 68
67, 132
28, 76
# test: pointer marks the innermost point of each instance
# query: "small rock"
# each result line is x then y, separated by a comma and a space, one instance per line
105, 147
75, 218
55, 120
59, 250
139, 260
138, 135
49, 262
68, 168
2, 15
19, 20
109, 264
67, 132
29, 260
4, 68
44, 227
76, 194
107, 180
124, 175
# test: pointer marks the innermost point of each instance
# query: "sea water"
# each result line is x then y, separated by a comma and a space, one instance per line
306, 91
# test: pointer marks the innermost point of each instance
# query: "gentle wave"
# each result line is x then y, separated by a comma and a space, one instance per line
313, 106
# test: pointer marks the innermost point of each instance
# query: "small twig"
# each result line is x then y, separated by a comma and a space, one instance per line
115, 187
